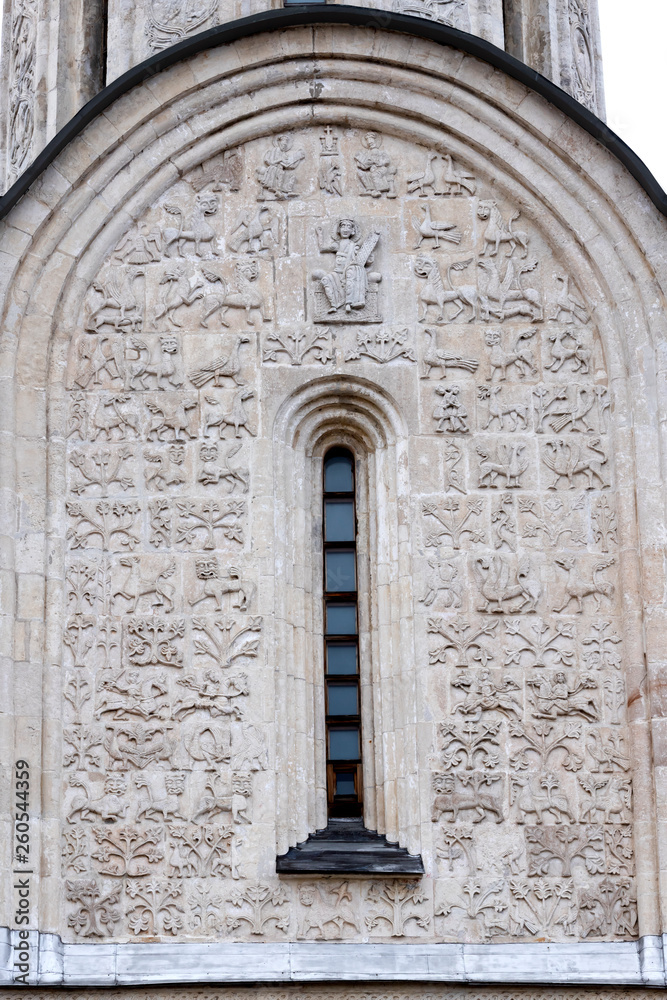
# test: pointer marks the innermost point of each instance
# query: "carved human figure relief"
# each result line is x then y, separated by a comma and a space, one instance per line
278, 177
348, 292
375, 172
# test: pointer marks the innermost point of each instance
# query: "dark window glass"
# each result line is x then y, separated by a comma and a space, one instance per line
344, 744
341, 619
338, 476
343, 699
339, 521
343, 722
345, 783
341, 658
340, 571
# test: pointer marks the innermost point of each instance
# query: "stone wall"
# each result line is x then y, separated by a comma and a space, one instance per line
418, 279
57, 54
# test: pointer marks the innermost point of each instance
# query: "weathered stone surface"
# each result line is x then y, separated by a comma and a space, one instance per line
459, 305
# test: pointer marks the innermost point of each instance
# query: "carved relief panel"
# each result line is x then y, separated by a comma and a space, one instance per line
331, 250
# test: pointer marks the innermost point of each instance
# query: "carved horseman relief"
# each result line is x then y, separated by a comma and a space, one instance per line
315, 252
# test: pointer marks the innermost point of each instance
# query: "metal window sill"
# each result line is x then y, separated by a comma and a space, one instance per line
346, 847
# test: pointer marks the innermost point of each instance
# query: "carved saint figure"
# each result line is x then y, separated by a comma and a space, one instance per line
374, 170
450, 413
277, 176
346, 286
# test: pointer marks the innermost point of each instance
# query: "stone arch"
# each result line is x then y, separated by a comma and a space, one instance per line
57, 237
357, 414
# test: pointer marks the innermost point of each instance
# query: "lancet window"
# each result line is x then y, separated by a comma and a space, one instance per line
341, 640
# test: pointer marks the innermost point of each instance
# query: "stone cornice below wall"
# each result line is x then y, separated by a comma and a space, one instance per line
56, 963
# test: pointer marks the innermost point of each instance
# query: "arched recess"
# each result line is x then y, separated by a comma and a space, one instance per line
569, 187
363, 417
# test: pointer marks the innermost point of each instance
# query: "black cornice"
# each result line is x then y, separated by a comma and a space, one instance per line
311, 14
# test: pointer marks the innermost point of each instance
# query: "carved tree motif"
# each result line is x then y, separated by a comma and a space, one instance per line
126, 850
560, 846
156, 910
453, 525
75, 851
601, 654
609, 908
205, 906
537, 907
262, 902
77, 692
101, 468
465, 646
78, 639
209, 516
159, 512
83, 587
604, 524
382, 345
221, 638
202, 851
553, 521
615, 701
471, 742
620, 852
83, 741
455, 843
97, 913
483, 904
114, 522
537, 639
452, 455
298, 343
150, 641
541, 740
397, 901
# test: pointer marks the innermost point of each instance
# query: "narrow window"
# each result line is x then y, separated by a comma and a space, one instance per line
341, 640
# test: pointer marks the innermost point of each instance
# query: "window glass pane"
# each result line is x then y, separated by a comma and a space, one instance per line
341, 619
340, 571
341, 658
338, 474
339, 520
345, 783
343, 699
344, 744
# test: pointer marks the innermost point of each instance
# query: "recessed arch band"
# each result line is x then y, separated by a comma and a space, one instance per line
305, 15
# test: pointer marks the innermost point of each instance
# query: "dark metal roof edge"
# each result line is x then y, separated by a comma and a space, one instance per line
312, 14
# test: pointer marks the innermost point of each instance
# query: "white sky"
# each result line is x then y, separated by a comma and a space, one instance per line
634, 48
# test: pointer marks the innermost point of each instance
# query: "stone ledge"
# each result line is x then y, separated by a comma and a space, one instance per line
636, 963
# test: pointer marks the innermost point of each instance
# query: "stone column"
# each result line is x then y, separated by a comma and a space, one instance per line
561, 40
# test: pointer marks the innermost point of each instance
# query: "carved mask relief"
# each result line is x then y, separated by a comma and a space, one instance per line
341, 252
